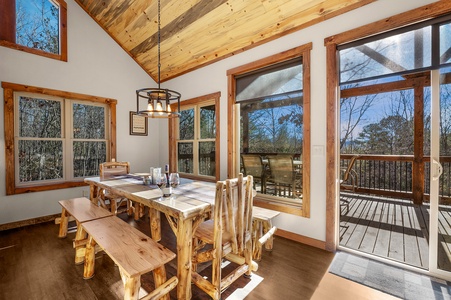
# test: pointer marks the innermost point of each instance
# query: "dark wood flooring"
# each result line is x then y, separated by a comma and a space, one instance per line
36, 264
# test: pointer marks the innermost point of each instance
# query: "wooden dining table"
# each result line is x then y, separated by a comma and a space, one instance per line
189, 205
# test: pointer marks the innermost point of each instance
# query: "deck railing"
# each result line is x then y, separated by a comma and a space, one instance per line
392, 175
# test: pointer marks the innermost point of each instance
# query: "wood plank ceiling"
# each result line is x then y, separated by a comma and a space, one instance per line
195, 33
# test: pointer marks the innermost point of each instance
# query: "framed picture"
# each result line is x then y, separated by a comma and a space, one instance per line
138, 124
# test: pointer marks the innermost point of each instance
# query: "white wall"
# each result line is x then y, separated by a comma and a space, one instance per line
96, 66
213, 78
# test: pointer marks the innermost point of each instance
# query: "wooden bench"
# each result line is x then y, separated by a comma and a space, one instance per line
133, 252
263, 230
82, 210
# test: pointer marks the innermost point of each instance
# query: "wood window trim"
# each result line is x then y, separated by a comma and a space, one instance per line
301, 51
422, 13
8, 96
173, 136
8, 31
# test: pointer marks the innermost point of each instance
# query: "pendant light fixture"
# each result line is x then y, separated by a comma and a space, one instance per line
161, 103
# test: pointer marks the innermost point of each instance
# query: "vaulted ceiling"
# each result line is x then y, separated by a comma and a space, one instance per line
195, 33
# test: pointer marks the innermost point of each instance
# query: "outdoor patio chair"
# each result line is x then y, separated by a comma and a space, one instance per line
348, 180
253, 165
284, 175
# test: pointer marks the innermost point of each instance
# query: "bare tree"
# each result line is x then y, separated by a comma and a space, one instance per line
352, 114
38, 25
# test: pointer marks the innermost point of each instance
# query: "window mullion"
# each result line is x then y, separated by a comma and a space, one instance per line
196, 140
67, 136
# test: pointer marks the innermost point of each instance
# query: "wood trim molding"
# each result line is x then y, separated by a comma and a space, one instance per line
33, 89
331, 147
298, 211
301, 239
28, 222
270, 60
113, 143
8, 31
423, 13
231, 88
8, 119
416, 15
306, 163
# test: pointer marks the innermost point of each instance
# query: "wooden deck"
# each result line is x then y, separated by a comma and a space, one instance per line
393, 228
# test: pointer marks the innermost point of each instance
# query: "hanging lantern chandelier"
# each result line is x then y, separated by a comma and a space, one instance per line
161, 103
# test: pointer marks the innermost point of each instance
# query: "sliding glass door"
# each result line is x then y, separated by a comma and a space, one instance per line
395, 147
440, 174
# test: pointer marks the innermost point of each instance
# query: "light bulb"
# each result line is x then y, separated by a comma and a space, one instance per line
149, 108
159, 108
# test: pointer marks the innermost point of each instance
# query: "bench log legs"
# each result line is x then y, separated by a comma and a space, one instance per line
63, 224
131, 286
159, 277
79, 236
90, 257
79, 249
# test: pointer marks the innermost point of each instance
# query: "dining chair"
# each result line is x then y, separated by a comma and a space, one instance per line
110, 169
284, 175
253, 165
228, 234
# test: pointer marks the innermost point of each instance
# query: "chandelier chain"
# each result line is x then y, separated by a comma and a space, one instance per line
158, 100
159, 40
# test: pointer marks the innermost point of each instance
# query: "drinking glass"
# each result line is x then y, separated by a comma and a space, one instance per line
161, 181
174, 180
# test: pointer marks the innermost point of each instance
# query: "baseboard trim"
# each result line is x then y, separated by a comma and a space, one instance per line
24, 223
301, 239
280, 232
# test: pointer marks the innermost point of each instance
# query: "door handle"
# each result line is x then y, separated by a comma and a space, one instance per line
438, 169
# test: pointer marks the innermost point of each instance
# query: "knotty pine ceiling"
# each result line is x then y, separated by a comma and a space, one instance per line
195, 33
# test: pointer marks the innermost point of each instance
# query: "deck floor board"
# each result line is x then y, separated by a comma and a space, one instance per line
383, 236
393, 228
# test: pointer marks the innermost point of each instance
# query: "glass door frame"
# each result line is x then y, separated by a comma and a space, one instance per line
436, 170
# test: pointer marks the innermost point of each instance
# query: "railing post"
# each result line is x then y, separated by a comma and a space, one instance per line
418, 129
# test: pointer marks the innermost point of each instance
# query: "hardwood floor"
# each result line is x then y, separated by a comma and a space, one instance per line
36, 264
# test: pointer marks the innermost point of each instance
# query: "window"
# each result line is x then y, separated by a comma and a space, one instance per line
195, 150
271, 101
54, 139
35, 26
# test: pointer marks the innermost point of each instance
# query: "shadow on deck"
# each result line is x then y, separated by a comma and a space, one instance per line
393, 228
